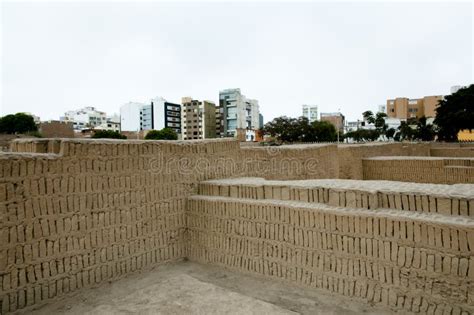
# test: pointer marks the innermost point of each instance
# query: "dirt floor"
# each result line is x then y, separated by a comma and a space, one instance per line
190, 288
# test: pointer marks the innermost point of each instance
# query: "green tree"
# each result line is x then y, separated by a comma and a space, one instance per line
390, 133
163, 134
379, 122
324, 131
363, 135
282, 128
424, 131
17, 123
454, 113
288, 130
369, 116
108, 134
303, 131
406, 132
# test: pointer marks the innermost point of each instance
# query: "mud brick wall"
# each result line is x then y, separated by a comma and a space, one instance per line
291, 161
350, 156
36, 145
420, 170
75, 213
400, 260
94, 212
455, 200
452, 149
453, 152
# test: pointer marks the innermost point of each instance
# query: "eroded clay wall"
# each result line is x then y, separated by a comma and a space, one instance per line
291, 161
435, 170
95, 212
453, 152
398, 259
75, 213
350, 156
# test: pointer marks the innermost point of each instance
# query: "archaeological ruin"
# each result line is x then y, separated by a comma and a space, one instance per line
388, 224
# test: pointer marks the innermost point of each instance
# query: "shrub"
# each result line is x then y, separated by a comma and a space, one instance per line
108, 134
163, 134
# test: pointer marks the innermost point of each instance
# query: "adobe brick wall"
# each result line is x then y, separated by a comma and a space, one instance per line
75, 213
453, 152
455, 200
403, 260
350, 156
56, 129
291, 161
436, 170
95, 212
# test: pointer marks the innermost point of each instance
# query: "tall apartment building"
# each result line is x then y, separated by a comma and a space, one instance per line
310, 112
85, 118
156, 115
219, 122
236, 114
337, 119
198, 119
404, 108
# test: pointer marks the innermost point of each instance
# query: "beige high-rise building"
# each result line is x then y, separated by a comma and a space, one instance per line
404, 108
198, 119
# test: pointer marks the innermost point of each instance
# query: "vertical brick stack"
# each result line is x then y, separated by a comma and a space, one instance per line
438, 170
452, 149
75, 213
350, 156
455, 200
453, 152
291, 161
416, 256
96, 212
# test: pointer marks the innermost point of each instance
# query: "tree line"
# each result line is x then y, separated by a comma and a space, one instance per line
287, 129
21, 123
454, 113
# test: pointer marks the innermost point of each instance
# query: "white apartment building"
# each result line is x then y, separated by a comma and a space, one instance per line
130, 116
112, 123
393, 122
310, 112
236, 112
352, 126
85, 118
156, 115
382, 108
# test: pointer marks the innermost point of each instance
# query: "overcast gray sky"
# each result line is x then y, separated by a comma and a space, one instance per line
60, 56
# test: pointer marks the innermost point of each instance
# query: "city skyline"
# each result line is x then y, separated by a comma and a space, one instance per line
325, 54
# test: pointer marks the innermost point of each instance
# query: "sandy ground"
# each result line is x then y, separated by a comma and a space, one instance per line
190, 288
